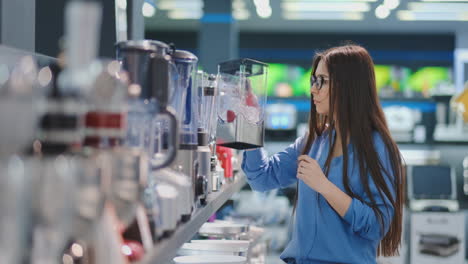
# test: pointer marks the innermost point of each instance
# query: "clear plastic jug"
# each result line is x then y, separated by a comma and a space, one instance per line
242, 97
151, 74
186, 98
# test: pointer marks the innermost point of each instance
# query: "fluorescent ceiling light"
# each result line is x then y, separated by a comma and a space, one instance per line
263, 8
313, 1
382, 12
262, 3
407, 15
179, 4
148, 10
326, 6
264, 12
323, 16
444, 1
184, 14
391, 4
122, 4
238, 4
438, 7
241, 14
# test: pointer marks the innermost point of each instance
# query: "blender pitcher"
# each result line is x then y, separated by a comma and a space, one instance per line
186, 97
242, 87
206, 98
151, 74
186, 161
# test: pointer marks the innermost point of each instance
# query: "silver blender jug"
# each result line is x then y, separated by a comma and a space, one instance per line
180, 173
149, 67
175, 175
151, 74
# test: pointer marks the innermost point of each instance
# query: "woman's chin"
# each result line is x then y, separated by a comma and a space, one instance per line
321, 111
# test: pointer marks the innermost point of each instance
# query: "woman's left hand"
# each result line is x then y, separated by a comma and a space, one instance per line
310, 173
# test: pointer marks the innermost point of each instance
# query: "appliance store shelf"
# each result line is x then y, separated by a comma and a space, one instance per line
165, 250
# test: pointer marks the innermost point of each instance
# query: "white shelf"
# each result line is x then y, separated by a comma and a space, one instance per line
165, 250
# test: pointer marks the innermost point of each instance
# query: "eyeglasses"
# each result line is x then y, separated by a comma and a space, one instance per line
317, 81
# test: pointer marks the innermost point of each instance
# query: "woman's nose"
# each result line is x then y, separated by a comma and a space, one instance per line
313, 91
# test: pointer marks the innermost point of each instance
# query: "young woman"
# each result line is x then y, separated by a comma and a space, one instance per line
349, 173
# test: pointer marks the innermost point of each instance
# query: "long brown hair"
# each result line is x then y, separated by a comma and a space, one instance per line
355, 105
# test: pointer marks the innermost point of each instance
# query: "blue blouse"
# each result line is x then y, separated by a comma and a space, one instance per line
320, 234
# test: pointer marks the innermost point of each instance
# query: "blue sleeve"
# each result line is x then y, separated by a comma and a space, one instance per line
267, 173
360, 216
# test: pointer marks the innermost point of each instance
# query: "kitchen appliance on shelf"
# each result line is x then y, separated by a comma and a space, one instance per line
148, 63
153, 126
432, 188
437, 237
206, 138
438, 244
19, 113
186, 104
242, 88
105, 132
67, 197
180, 173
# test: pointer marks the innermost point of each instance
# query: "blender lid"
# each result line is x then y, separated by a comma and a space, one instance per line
184, 55
143, 45
252, 67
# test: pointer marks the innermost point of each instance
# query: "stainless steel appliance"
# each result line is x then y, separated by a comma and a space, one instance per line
152, 124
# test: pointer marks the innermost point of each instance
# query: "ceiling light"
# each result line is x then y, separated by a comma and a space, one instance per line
180, 4
391, 4
241, 14
444, 1
323, 15
238, 4
314, 1
438, 7
263, 8
264, 12
325, 6
184, 14
382, 12
122, 4
407, 15
148, 10
262, 3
